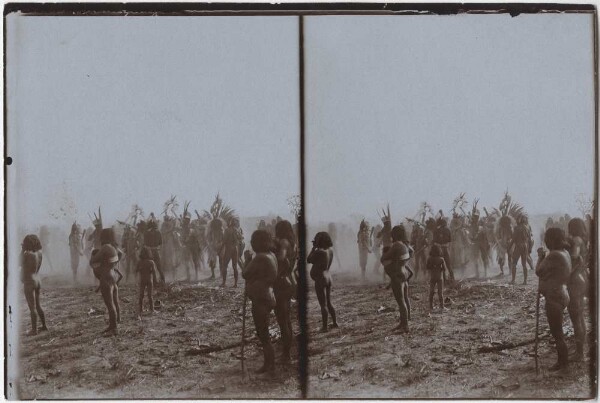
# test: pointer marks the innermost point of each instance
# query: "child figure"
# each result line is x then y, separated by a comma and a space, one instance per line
321, 257
31, 261
147, 271
436, 266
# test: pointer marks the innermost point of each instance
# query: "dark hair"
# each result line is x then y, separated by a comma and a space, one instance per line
576, 227
261, 241
284, 230
435, 251
107, 236
399, 233
323, 240
31, 243
145, 253
554, 238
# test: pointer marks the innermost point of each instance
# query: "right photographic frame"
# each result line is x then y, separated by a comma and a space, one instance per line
449, 191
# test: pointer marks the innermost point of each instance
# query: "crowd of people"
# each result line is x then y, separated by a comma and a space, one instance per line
426, 247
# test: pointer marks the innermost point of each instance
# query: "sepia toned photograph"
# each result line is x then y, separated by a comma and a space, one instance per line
150, 155
300, 202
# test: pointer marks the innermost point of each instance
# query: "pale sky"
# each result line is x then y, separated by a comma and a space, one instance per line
405, 109
112, 111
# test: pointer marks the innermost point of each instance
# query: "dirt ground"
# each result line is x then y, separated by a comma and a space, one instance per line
439, 358
167, 355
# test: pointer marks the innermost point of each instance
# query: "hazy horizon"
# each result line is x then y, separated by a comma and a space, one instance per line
112, 111
406, 109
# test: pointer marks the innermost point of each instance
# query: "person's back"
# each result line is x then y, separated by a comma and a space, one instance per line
321, 260
30, 266
521, 234
554, 272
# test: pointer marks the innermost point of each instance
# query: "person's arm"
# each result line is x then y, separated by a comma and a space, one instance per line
253, 268
444, 267
311, 256
320, 260
410, 272
154, 270
119, 274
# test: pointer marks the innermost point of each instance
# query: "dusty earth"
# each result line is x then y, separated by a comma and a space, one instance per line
171, 354
166, 355
439, 358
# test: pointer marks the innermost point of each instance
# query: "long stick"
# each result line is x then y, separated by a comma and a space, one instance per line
537, 326
244, 333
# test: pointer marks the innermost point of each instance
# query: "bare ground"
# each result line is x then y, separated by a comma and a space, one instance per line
163, 356
166, 355
439, 358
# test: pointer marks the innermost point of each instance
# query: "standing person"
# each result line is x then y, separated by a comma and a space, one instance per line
147, 271
31, 261
377, 247
321, 257
260, 274
103, 262
554, 272
232, 236
153, 241
436, 266
364, 246
285, 286
520, 246
75, 248
130, 247
443, 237
394, 260
578, 282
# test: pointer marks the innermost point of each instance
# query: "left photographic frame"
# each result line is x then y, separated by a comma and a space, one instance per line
152, 147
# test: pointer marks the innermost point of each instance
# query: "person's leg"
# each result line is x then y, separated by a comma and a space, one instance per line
575, 309
440, 288
223, 263
330, 306
234, 263
260, 314
30, 298
107, 296
38, 308
432, 284
554, 313
281, 311
320, 291
150, 291
406, 299
115, 294
141, 297
362, 262
398, 290
524, 264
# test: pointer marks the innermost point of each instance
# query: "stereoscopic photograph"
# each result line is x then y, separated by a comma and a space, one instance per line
286, 202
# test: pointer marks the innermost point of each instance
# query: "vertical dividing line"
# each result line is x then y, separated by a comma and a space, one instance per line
302, 286
593, 289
